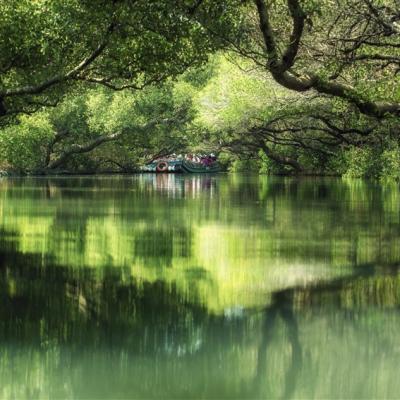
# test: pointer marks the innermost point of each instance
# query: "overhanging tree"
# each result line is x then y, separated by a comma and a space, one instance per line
47, 45
348, 49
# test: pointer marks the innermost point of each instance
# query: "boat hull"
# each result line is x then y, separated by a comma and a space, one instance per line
182, 166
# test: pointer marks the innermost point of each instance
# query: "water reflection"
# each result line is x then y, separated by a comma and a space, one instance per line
188, 287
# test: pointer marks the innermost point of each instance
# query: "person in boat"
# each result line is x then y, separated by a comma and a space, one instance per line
208, 160
205, 161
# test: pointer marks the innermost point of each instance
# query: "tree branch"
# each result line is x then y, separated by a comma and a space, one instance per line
305, 82
80, 149
39, 88
284, 160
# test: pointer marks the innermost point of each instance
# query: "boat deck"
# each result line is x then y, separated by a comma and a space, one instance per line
180, 166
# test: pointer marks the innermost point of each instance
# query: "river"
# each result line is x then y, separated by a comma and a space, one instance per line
183, 286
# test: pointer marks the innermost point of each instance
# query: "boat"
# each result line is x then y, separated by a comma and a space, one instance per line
182, 166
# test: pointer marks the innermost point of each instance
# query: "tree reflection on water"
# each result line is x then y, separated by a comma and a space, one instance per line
230, 287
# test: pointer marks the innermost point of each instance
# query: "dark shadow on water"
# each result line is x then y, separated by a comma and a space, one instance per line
283, 306
278, 308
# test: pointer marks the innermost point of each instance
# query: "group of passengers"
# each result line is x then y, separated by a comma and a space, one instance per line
204, 159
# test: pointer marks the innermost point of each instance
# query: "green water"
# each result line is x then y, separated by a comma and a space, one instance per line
199, 287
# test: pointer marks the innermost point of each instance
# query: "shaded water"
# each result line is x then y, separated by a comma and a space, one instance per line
199, 287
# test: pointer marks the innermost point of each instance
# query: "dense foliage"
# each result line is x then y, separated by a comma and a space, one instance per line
273, 86
100, 129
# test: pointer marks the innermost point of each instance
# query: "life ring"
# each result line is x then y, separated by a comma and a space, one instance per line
162, 166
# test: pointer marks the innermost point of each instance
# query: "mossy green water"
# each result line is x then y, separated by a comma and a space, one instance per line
220, 286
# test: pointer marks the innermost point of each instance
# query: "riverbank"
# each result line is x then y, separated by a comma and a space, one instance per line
304, 174
11, 174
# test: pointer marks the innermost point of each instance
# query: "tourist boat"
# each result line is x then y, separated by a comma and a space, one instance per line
183, 166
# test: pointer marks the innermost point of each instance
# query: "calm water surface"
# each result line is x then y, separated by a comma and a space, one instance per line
199, 287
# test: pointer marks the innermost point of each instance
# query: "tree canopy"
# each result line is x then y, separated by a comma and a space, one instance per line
286, 86
48, 45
